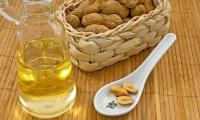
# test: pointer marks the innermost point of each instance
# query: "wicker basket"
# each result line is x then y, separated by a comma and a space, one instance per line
91, 51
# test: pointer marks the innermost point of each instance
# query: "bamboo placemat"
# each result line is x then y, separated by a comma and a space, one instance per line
172, 91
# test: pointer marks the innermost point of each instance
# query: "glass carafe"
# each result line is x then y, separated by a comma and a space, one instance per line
8, 10
46, 85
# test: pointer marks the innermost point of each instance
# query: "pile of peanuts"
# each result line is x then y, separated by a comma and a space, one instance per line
99, 16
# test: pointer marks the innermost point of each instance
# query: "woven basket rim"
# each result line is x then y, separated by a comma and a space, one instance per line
160, 4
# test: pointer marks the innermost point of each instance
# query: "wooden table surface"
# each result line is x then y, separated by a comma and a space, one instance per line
172, 91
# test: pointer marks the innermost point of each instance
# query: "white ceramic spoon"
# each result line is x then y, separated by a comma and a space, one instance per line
105, 101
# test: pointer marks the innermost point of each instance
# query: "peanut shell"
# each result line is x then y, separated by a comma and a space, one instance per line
73, 20
138, 10
129, 3
113, 7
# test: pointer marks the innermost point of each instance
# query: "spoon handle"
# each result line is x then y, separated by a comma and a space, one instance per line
147, 66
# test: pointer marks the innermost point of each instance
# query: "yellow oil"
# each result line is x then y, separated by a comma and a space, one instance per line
46, 85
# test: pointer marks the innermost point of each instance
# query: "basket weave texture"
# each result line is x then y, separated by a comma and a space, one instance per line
90, 51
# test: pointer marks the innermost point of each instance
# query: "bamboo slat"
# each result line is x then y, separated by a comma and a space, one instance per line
172, 91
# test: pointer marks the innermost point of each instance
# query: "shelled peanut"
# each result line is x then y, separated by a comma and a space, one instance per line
125, 100
99, 16
119, 91
122, 93
130, 88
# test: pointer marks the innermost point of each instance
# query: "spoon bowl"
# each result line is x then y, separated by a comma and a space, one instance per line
105, 101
